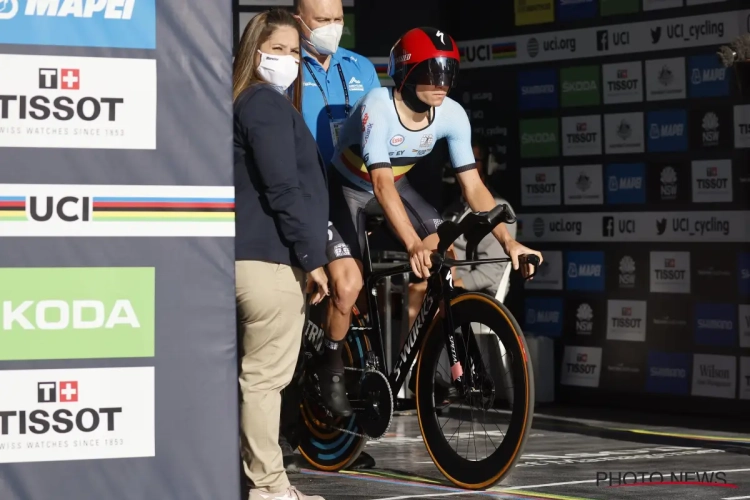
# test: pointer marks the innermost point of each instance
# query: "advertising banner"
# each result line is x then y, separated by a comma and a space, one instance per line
118, 352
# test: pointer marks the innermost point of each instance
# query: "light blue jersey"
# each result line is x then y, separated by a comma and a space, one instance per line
374, 136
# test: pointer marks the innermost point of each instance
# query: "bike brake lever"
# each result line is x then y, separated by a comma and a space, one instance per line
533, 260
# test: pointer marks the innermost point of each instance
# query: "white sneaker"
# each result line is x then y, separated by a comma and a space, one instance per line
291, 494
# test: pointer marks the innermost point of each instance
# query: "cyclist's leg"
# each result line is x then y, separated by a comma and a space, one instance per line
345, 271
425, 219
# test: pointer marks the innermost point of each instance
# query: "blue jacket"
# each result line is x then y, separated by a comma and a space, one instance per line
281, 188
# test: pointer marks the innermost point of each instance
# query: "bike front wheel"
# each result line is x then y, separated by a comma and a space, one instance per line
499, 393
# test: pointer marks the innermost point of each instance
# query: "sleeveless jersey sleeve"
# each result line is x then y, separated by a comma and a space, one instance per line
375, 129
455, 127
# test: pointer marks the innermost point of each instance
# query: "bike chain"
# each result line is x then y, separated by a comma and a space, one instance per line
390, 417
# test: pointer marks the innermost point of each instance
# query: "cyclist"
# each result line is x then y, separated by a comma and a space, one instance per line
387, 133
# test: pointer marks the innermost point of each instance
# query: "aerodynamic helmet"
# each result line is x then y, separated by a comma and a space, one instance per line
424, 56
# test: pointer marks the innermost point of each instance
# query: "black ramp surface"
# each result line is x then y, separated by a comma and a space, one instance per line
599, 455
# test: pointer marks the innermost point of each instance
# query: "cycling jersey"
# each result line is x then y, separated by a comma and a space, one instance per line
374, 137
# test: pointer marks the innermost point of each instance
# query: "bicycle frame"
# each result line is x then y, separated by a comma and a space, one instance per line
436, 293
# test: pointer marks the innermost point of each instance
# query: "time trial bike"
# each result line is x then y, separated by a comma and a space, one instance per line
454, 377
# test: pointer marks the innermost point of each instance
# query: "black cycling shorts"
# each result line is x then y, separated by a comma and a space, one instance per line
346, 230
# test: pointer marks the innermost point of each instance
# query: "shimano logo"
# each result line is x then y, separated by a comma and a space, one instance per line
715, 324
107, 9
537, 89
659, 371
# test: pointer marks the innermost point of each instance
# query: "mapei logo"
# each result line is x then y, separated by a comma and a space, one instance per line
79, 23
708, 77
667, 131
585, 271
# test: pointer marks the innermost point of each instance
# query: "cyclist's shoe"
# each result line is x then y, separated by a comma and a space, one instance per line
291, 494
333, 391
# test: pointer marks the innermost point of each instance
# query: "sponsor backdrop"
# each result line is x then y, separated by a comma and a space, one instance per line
117, 372
632, 145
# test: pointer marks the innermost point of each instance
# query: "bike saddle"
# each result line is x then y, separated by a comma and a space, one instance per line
374, 214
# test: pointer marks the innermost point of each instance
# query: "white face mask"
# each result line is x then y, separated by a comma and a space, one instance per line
326, 38
279, 71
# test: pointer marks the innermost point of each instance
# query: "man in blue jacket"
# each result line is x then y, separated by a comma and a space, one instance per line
334, 79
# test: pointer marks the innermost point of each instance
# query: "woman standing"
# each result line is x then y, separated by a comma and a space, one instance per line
282, 225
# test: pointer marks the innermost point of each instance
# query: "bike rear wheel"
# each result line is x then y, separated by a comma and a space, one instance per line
324, 447
512, 396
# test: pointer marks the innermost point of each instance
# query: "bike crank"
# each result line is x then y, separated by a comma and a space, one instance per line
374, 411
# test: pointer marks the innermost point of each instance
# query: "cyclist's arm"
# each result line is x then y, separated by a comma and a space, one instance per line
375, 155
476, 194
385, 191
480, 199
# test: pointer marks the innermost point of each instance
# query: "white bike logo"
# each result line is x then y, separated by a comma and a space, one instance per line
8, 12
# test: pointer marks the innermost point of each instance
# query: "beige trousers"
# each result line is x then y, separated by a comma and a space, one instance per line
271, 313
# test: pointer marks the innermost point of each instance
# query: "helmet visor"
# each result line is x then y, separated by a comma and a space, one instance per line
439, 71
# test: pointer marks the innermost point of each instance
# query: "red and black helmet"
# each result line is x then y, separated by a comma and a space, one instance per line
424, 56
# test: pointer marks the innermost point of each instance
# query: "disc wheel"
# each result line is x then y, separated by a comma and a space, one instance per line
323, 447
495, 416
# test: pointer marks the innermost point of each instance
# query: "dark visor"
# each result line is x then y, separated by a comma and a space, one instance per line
440, 71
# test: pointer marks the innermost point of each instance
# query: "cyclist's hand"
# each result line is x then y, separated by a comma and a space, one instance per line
320, 278
514, 250
419, 258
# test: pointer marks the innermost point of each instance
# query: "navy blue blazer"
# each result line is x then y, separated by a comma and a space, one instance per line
281, 188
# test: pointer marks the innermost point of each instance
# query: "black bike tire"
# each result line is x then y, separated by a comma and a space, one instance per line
475, 475
353, 448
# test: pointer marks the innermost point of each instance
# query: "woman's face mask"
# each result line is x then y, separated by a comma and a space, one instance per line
279, 71
326, 38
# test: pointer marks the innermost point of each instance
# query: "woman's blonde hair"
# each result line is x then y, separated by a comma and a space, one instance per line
256, 33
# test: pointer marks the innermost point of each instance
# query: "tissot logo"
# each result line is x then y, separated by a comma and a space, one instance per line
540, 186
622, 82
581, 366
87, 414
670, 272
75, 102
582, 135
52, 392
626, 320
712, 181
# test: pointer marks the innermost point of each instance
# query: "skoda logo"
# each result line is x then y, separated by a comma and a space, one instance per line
532, 47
